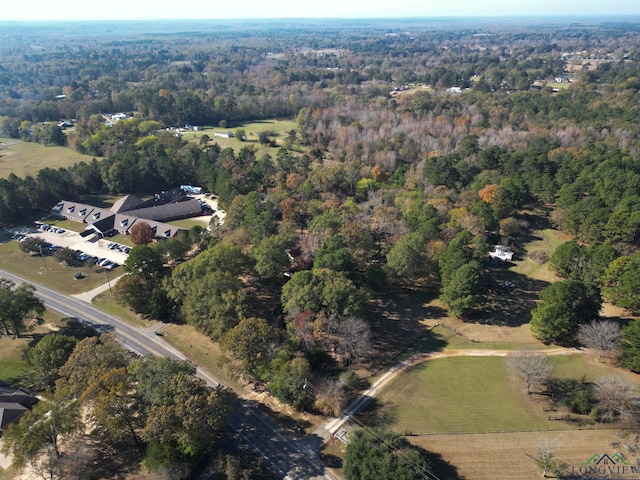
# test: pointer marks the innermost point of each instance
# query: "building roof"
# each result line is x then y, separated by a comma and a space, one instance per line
10, 412
502, 252
73, 210
13, 403
104, 223
168, 212
166, 206
123, 223
126, 203
162, 230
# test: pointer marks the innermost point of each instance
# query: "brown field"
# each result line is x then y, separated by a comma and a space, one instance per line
497, 456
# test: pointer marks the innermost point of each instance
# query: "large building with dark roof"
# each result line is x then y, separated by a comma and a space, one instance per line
163, 207
14, 402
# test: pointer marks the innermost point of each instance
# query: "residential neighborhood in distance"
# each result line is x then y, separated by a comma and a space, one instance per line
321, 248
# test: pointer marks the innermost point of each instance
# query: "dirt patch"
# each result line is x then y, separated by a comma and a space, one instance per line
496, 456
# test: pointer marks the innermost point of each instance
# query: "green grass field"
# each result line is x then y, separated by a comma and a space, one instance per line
12, 361
546, 240
477, 394
575, 366
462, 394
187, 223
27, 158
559, 85
252, 130
56, 276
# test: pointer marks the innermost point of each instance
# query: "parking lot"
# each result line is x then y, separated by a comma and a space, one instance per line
91, 247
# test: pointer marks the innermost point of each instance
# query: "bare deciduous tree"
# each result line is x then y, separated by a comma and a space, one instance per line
331, 397
532, 368
546, 456
356, 334
617, 398
601, 335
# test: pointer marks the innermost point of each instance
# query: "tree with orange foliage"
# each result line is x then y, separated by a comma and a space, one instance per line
141, 233
487, 193
380, 175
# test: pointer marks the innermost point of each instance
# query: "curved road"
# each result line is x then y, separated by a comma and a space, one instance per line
290, 456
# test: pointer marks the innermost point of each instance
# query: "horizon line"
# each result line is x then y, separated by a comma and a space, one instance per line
590, 16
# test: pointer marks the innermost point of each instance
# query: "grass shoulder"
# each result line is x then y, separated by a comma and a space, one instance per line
107, 303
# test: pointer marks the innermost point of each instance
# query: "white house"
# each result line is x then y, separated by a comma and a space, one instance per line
502, 252
223, 134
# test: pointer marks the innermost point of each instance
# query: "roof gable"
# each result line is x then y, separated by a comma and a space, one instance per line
126, 203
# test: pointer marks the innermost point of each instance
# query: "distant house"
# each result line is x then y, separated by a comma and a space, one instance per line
119, 116
502, 252
223, 134
14, 402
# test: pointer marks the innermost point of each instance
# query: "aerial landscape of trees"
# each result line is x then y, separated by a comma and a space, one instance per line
411, 150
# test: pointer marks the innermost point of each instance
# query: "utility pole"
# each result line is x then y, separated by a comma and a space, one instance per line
43, 260
106, 271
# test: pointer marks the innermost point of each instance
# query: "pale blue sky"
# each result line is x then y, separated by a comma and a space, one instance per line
201, 9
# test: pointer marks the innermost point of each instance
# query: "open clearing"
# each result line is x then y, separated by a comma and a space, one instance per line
443, 396
252, 131
471, 411
27, 158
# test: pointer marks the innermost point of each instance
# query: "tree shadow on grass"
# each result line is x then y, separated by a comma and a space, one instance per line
374, 415
510, 298
443, 469
74, 327
399, 320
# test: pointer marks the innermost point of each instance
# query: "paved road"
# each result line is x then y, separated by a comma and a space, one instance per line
293, 457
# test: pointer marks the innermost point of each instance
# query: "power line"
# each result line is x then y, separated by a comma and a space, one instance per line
368, 429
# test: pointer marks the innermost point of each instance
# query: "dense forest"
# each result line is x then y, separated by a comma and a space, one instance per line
416, 147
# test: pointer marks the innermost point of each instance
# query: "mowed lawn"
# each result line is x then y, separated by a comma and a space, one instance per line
462, 395
27, 158
57, 276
